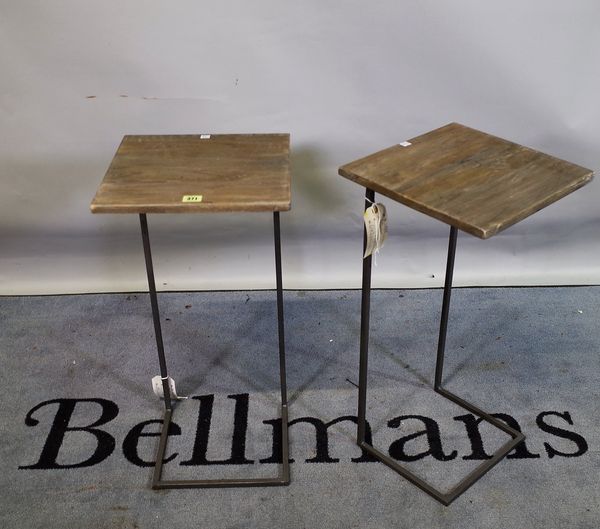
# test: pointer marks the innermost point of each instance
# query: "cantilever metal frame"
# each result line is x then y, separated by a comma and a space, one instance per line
283, 477
516, 437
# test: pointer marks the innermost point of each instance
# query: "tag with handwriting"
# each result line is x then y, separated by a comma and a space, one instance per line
192, 198
376, 227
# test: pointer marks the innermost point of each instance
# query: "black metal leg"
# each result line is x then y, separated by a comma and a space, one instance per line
284, 476
516, 437
280, 329
155, 313
439, 363
364, 330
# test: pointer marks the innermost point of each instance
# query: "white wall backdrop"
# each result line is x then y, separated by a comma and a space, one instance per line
344, 78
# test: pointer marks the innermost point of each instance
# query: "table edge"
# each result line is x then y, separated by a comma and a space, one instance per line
190, 208
472, 229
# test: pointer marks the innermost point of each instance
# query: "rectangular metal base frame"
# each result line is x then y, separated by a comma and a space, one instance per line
516, 437
281, 480
448, 497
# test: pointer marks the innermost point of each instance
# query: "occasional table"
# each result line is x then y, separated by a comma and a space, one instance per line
475, 182
202, 174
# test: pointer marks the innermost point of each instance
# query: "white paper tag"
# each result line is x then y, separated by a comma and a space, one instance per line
157, 387
205, 136
406, 144
376, 228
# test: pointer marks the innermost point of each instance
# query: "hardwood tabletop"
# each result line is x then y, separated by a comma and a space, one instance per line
197, 173
474, 181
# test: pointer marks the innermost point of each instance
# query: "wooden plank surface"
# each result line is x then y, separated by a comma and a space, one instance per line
479, 183
231, 172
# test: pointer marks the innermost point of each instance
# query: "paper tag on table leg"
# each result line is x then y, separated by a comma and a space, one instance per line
376, 227
157, 387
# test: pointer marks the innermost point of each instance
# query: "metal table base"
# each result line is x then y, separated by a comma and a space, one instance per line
516, 437
283, 477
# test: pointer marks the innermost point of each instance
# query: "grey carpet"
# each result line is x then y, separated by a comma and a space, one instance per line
531, 353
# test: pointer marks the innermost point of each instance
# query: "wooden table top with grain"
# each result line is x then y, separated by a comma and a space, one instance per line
474, 181
197, 173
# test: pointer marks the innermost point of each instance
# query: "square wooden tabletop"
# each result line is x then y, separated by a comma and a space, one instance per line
476, 182
197, 173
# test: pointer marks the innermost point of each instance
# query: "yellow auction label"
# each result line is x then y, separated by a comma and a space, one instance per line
192, 198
